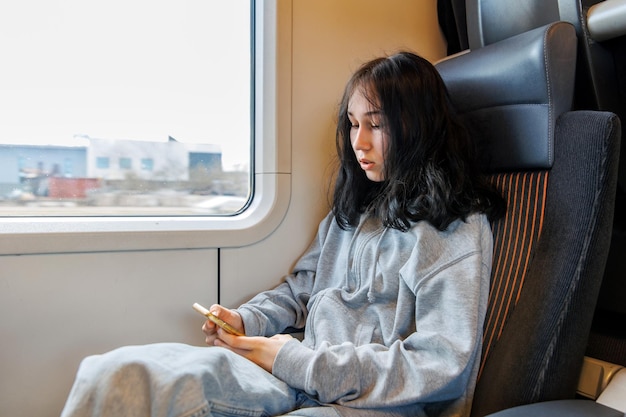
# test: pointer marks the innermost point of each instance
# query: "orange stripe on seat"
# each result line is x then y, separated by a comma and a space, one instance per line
515, 237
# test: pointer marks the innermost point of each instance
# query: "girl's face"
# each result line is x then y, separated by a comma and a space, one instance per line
367, 136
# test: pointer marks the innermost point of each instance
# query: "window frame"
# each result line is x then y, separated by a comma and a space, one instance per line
271, 180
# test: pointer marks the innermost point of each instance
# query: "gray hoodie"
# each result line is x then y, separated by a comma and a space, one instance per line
393, 320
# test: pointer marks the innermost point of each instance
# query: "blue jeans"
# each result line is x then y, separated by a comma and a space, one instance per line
176, 380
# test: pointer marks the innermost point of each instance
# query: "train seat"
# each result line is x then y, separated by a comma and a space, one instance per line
558, 170
600, 85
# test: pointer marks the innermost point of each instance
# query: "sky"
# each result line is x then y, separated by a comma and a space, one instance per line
126, 69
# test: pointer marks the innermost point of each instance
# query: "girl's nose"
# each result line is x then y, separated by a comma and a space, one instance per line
360, 140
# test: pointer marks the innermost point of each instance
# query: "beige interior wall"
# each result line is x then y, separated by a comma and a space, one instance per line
56, 309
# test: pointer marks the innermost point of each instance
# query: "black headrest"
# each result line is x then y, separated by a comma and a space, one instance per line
490, 21
510, 94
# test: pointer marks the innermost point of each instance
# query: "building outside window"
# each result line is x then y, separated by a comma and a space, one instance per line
126, 163
147, 164
102, 162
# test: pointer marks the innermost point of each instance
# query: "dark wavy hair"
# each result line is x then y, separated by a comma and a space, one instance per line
430, 172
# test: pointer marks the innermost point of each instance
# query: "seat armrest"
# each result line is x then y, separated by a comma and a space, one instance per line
615, 393
560, 408
595, 376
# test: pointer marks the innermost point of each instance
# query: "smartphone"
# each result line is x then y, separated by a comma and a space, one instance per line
221, 323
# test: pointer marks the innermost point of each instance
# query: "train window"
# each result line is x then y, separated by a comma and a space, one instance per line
133, 108
138, 106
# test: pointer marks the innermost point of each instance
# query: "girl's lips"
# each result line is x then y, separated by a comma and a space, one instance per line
366, 164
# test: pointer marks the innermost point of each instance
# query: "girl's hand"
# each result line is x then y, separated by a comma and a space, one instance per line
229, 316
260, 350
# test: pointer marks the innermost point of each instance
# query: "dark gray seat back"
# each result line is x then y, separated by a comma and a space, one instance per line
557, 170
